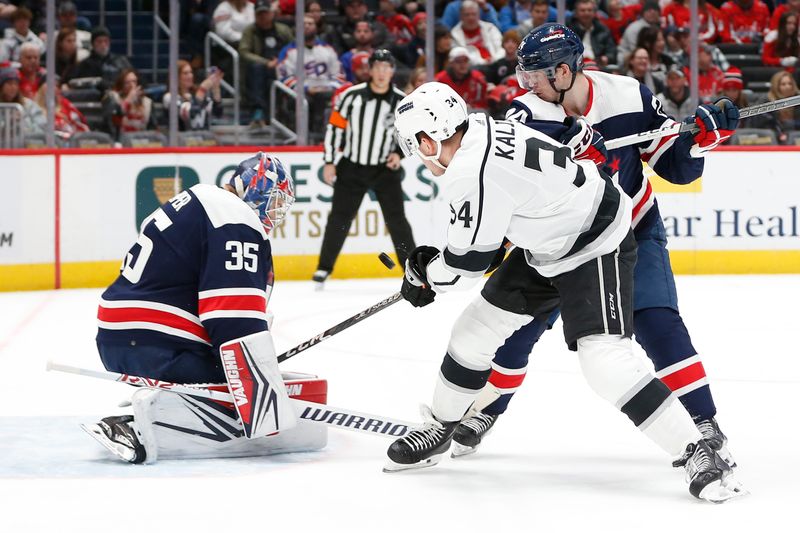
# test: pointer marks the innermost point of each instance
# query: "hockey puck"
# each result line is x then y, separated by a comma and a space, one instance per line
386, 260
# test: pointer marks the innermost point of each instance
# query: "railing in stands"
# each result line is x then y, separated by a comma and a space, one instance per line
11, 135
234, 90
277, 124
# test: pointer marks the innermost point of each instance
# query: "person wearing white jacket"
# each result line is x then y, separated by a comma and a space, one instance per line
482, 39
231, 17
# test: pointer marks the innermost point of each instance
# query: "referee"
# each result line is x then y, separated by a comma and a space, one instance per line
363, 122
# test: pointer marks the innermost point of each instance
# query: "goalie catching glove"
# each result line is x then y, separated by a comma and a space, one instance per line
416, 288
716, 124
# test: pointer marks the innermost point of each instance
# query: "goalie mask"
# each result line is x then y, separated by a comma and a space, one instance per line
434, 109
263, 183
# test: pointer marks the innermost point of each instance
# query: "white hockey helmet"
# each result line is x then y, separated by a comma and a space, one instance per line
434, 109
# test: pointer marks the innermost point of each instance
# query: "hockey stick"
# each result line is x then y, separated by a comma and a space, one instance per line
341, 326
680, 127
317, 413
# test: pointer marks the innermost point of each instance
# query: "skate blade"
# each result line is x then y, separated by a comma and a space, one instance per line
459, 450
726, 456
319, 286
391, 467
722, 491
99, 435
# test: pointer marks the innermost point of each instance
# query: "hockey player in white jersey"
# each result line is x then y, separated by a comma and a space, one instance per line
190, 306
571, 226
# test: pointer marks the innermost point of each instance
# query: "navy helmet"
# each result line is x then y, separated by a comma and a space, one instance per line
265, 185
548, 46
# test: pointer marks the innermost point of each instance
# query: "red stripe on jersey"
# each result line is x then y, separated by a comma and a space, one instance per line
165, 318
506, 381
664, 140
232, 303
684, 376
648, 192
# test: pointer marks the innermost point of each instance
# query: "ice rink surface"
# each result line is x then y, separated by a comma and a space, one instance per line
560, 460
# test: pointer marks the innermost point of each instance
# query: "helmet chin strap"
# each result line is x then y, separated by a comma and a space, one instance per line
562, 92
435, 157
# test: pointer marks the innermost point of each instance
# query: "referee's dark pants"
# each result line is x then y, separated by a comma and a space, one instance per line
352, 183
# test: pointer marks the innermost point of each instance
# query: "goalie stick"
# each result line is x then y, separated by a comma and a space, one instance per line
335, 417
680, 127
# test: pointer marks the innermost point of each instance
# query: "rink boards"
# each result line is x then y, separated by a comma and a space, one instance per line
68, 217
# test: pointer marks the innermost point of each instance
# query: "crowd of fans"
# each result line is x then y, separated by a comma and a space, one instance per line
475, 47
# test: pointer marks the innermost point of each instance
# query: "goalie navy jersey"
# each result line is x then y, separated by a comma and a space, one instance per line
199, 275
620, 106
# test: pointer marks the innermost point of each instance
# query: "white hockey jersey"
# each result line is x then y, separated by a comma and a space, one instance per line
509, 180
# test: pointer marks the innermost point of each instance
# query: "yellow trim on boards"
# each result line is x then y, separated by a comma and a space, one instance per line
660, 185
301, 267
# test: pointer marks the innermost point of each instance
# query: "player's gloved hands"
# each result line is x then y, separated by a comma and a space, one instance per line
586, 143
415, 287
716, 124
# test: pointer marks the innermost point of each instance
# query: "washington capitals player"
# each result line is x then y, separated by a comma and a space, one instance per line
550, 65
197, 278
575, 249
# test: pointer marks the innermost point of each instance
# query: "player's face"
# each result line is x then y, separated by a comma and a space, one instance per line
537, 82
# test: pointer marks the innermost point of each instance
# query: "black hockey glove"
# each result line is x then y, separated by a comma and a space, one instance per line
415, 287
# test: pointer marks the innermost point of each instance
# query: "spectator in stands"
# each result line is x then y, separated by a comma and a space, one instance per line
748, 19
6, 9
34, 120
68, 19
675, 96
68, 118
231, 17
714, 25
638, 67
196, 103
314, 9
709, 75
344, 37
514, 14
782, 85
482, 39
733, 88
540, 13
259, 48
68, 54
101, 63
360, 66
469, 82
619, 16
782, 45
676, 14
409, 53
31, 73
789, 5
399, 26
443, 43
501, 96
196, 18
363, 35
125, 107
19, 34
598, 43
323, 73
418, 77
677, 48
452, 13
497, 72
652, 39
650, 16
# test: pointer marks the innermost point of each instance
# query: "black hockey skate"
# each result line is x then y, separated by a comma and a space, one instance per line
715, 438
422, 446
319, 278
469, 433
118, 435
709, 477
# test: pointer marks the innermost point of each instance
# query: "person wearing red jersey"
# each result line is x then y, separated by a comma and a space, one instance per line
709, 76
790, 5
619, 16
469, 82
748, 19
782, 45
399, 26
31, 73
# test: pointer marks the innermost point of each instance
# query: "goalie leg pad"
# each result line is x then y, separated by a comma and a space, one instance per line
621, 378
176, 426
260, 398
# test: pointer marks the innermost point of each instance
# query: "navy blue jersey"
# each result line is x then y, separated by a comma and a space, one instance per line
199, 275
620, 106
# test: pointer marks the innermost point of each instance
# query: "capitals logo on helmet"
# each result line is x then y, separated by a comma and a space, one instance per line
548, 46
263, 183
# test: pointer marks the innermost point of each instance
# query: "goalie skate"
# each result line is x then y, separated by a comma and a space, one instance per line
709, 476
423, 446
118, 435
470, 433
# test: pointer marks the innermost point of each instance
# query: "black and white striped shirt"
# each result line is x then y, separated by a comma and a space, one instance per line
363, 122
